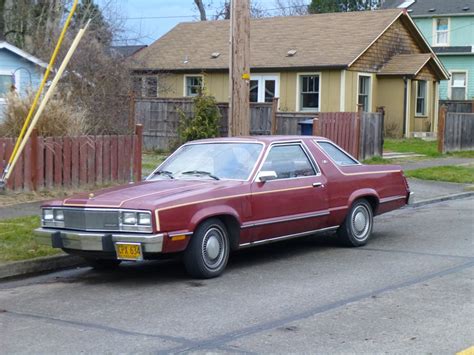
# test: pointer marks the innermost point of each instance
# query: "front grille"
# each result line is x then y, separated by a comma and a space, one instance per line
91, 220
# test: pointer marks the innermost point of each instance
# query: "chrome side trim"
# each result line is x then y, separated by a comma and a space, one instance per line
174, 234
283, 219
289, 236
411, 198
392, 198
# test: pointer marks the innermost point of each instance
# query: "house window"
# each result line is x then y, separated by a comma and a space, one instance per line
193, 85
5, 84
458, 85
151, 88
137, 84
364, 92
441, 32
263, 88
309, 92
421, 98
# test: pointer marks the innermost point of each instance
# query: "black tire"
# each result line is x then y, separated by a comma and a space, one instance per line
357, 227
103, 264
208, 251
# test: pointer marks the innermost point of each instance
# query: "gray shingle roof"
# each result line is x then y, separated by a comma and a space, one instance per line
434, 7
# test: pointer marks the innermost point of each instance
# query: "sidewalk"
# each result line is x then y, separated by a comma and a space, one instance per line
436, 162
20, 210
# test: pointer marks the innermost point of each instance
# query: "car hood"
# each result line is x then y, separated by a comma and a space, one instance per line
150, 194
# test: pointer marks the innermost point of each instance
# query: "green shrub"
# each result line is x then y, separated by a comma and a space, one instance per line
204, 123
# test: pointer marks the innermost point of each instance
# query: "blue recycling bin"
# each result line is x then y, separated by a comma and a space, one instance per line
306, 127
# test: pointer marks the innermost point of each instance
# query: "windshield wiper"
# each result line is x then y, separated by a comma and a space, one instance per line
200, 172
164, 172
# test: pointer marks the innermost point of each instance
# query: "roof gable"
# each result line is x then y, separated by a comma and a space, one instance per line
322, 40
430, 8
23, 54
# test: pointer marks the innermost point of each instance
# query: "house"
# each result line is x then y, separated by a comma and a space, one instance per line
448, 27
324, 62
19, 71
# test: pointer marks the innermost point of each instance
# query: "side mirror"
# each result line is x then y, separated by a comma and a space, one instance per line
264, 176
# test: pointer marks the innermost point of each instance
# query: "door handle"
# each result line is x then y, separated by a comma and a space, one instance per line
318, 184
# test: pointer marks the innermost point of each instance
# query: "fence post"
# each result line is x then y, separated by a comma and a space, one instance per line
137, 159
441, 127
358, 129
316, 128
381, 110
34, 159
131, 112
274, 115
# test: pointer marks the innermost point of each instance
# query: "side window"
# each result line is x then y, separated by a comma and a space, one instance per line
336, 154
288, 161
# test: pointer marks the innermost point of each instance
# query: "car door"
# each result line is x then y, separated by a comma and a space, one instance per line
293, 199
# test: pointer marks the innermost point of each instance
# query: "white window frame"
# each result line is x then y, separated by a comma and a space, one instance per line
371, 89
261, 84
454, 71
435, 32
427, 90
17, 80
185, 86
298, 91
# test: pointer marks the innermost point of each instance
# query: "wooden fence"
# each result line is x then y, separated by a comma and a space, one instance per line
455, 131
62, 162
341, 128
160, 118
465, 106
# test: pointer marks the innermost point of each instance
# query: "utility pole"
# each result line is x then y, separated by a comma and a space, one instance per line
239, 68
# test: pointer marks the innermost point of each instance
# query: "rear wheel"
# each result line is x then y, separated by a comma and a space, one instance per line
208, 251
357, 227
103, 264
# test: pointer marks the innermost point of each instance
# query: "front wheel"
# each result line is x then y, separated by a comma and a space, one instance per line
357, 227
208, 251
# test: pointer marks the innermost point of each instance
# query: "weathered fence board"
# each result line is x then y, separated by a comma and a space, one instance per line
461, 106
73, 161
458, 132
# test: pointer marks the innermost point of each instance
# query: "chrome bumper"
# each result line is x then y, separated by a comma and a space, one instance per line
64, 239
411, 198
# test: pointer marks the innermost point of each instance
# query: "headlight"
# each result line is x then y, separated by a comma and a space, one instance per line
59, 215
129, 218
48, 214
144, 219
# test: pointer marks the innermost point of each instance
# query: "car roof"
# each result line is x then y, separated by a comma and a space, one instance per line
258, 139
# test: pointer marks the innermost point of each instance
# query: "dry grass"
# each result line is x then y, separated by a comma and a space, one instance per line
58, 119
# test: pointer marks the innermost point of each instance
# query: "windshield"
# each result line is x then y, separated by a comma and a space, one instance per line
233, 161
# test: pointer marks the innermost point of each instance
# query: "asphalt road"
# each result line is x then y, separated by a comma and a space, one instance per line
409, 291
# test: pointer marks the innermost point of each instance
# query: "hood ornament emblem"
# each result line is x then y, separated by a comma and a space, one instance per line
91, 195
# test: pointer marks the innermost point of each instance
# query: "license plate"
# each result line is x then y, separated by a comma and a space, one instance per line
129, 251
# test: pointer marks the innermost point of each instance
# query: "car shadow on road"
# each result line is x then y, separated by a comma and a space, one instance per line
166, 272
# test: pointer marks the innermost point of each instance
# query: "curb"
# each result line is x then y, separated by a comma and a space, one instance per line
441, 199
34, 266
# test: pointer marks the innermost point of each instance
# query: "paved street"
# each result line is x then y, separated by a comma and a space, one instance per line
409, 291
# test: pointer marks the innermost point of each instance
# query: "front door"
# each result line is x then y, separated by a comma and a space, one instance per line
295, 202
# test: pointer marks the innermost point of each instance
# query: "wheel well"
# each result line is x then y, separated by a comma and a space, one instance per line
233, 227
374, 202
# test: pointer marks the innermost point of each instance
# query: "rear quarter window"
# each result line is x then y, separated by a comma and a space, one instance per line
337, 154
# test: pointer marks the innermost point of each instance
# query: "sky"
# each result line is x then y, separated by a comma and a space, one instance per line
145, 21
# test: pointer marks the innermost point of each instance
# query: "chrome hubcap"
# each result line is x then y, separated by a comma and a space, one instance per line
214, 247
361, 222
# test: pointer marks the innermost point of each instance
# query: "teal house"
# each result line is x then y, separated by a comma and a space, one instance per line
448, 26
19, 71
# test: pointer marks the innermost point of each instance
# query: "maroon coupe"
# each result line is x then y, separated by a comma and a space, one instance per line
217, 195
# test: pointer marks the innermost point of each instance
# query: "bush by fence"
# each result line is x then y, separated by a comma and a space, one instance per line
62, 162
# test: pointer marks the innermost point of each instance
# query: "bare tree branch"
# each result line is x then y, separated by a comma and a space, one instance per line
202, 9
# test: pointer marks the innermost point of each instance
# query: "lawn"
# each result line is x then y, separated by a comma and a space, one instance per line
17, 241
420, 146
449, 173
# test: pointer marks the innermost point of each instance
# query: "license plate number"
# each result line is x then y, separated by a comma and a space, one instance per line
129, 251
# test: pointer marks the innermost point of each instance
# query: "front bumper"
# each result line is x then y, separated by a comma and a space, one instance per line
411, 198
90, 241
